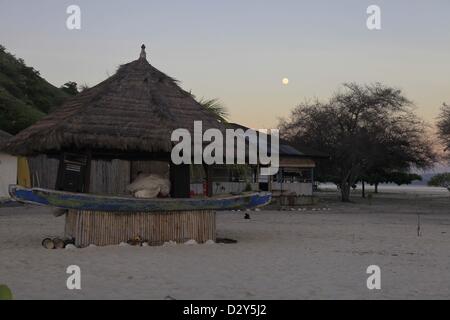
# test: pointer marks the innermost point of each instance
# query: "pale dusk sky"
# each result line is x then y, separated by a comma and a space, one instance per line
240, 51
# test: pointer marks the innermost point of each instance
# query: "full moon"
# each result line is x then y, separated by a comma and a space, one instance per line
285, 81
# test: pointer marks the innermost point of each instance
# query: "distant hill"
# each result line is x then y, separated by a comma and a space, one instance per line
25, 96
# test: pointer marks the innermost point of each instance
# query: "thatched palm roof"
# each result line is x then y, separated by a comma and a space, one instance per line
134, 110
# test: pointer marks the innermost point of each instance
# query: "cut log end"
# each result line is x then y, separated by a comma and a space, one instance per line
48, 243
59, 244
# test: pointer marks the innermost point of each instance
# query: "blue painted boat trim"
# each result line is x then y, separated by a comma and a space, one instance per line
92, 202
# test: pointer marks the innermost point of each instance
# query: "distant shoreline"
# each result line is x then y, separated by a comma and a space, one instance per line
392, 188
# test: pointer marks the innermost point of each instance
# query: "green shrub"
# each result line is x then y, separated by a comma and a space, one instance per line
5, 293
440, 180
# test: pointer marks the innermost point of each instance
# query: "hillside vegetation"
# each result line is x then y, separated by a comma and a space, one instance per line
25, 96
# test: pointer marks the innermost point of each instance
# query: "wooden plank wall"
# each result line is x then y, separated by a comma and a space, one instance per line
106, 176
109, 177
113, 176
109, 228
43, 171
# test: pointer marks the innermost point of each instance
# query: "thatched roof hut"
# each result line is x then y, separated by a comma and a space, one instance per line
135, 110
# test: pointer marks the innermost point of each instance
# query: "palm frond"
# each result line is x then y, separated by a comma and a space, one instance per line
216, 107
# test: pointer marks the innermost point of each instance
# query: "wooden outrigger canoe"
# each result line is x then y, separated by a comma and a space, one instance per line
81, 201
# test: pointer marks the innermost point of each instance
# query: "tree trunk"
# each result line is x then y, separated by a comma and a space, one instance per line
376, 187
347, 182
345, 191
363, 189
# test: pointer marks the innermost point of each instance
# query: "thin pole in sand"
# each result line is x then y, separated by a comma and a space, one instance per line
419, 234
419, 222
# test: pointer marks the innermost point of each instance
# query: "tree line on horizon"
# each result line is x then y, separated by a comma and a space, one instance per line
370, 132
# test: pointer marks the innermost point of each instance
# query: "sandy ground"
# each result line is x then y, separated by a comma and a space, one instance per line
280, 255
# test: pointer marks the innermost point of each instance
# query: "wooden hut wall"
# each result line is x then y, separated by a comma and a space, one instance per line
43, 171
109, 176
113, 176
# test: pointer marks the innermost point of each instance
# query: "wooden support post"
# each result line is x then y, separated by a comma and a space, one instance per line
209, 180
180, 179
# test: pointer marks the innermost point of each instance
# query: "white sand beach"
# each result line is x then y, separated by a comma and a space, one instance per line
280, 255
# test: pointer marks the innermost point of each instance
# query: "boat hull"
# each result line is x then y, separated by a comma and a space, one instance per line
81, 201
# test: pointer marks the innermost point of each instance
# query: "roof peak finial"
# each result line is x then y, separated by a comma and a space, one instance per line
143, 54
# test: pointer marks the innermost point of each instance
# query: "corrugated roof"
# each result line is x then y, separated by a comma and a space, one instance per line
285, 148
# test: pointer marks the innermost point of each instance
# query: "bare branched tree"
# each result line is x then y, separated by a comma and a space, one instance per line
361, 127
443, 125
